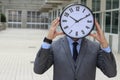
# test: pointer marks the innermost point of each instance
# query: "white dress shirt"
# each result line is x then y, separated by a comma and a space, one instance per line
70, 41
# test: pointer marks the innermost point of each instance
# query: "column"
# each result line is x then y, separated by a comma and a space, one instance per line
103, 8
89, 3
24, 19
79, 1
119, 30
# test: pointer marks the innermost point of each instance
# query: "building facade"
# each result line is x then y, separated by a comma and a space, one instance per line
107, 12
39, 14
24, 14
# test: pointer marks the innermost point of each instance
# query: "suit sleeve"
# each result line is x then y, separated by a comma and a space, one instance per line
43, 61
106, 62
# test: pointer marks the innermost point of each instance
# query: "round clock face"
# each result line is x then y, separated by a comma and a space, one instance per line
77, 21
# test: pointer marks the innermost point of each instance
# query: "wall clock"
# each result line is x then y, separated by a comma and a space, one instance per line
77, 21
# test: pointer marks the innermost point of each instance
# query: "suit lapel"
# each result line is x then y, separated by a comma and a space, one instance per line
66, 47
82, 53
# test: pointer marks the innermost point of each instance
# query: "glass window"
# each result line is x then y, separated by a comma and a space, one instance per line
108, 22
63, 8
0, 8
53, 14
108, 4
9, 25
112, 4
35, 19
14, 16
58, 12
19, 16
97, 17
115, 22
111, 24
29, 16
38, 16
33, 16
96, 5
50, 17
83, 2
115, 4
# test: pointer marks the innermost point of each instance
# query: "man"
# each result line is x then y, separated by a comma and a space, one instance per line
60, 55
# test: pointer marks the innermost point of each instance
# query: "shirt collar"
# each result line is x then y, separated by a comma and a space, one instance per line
71, 41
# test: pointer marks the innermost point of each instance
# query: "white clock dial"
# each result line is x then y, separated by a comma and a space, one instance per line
77, 21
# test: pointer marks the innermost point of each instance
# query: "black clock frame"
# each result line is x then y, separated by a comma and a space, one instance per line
80, 5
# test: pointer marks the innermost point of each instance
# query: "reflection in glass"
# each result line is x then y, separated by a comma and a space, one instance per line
58, 12
83, 2
108, 4
96, 5
98, 18
112, 4
115, 4
115, 22
108, 22
35, 19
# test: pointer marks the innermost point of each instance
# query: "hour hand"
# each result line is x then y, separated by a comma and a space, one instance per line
73, 19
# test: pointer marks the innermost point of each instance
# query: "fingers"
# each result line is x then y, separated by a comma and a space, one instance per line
97, 26
55, 23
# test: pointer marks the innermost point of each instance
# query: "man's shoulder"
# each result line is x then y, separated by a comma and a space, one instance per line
91, 42
59, 40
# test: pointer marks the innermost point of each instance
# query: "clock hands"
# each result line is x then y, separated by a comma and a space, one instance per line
83, 17
74, 19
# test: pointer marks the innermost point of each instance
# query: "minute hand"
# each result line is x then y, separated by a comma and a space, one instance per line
83, 17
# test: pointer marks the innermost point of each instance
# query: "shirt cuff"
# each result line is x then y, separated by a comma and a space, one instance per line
108, 50
45, 45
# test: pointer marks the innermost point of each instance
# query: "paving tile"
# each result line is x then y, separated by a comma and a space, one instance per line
18, 48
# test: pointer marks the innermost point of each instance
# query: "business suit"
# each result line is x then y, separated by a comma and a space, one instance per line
84, 68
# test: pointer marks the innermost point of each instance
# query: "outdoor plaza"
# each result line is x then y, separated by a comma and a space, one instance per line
18, 48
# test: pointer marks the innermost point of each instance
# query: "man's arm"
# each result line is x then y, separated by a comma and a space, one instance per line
44, 58
106, 62
105, 59
43, 61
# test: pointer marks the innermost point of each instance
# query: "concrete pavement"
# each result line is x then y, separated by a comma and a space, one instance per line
18, 48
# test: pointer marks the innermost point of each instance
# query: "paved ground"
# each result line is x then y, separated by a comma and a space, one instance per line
18, 48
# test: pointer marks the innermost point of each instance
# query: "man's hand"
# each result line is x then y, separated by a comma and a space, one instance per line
99, 35
52, 31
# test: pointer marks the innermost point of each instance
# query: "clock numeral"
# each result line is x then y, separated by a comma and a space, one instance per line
65, 27
77, 8
87, 27
82, 32
76, 33
64, 20
71, 10
87, 15
66, 14
70, 31
89, 21
83, 10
